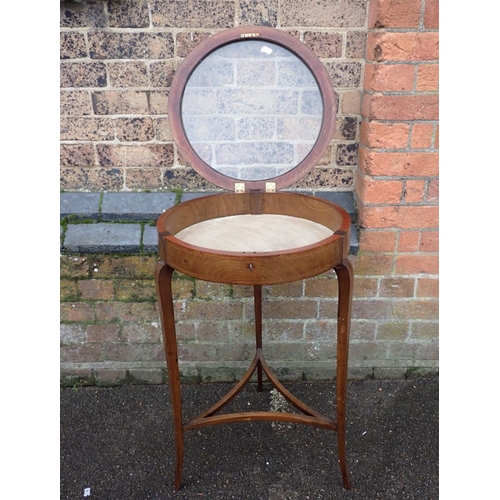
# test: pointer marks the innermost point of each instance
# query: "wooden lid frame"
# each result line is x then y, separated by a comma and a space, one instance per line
238, 34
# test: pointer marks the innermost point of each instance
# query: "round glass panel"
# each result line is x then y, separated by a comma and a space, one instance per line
252, 110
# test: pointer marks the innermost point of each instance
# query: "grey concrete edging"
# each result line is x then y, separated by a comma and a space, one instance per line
125, 222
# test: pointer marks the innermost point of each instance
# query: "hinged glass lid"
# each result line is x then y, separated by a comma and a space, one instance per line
252, 105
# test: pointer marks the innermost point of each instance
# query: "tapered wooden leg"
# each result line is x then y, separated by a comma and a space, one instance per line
345, 278
163, 277
257, 297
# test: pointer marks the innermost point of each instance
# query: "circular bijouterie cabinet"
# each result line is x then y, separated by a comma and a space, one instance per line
253, 110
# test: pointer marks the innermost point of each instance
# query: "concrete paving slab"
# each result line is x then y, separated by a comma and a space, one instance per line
150, 239
118, 443
135, 206
80, 205
102, 237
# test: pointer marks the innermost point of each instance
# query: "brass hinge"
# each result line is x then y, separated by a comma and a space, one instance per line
249, 35
270, 187
239, 187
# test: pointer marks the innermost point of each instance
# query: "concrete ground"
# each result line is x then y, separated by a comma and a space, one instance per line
117, 443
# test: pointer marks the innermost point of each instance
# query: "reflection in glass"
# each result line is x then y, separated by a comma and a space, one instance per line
252, 110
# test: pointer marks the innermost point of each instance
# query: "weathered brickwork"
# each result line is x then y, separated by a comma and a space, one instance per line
110, 330
397, 180
117, 62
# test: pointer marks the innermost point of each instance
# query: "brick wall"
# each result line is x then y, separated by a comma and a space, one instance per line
397, 180
117, 61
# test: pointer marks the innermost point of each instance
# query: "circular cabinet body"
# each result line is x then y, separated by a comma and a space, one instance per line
253, 110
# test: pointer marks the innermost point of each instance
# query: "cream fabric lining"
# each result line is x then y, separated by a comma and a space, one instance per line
254, 233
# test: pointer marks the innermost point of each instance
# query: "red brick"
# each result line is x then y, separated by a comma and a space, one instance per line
290, 309
82, 353
433, 191
96, 289
137, 290
397, 287
408, 241
427, 77
363, 330
368, 350
398, 164
384, 135
365, 287
428, 287
404, 217
321, 287
421, 135
375, 264
414, 351
436, 137
394, 14
284, 330
416, 309
115, 266
73, 267
185, 332
389, 77
431, 14
400, 107
377, 241
373, 191
293, 289
429, 242
79, 311
407, 46
103, 333
417, 264
134, 352
72, 334
141, 333
371, 309
211, 291
207, 311
425, 330
109, 312
392, 330
67, 290
414, 191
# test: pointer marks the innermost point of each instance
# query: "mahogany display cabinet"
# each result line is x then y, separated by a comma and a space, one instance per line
253, 110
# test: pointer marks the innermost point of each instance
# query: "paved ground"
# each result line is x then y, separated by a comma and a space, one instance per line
118, 444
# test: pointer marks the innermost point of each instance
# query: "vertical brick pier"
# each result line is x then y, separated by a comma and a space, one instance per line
117, 62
